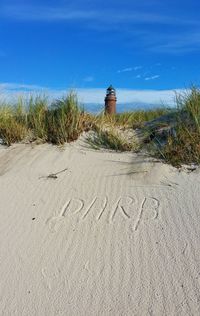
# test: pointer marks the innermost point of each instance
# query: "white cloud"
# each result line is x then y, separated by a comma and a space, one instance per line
46, 13
152, 77
128, 69
176, 43
184, 39
128, 96
10, 92
20, 86
77, 12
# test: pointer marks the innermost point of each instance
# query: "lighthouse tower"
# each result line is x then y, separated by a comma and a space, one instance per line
110, 101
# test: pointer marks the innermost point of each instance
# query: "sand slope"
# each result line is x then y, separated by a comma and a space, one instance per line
114, 234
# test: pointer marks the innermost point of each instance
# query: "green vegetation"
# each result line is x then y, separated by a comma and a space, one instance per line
114, 139
137, 119
11, 128
133, 119
171, 135
65, 120
36, 117
183, 141
62, 122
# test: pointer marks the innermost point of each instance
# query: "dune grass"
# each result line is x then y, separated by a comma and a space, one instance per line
111, 130
112, 138
137, 118
133, 119
64, 120
36, 117
183, 145
11, 127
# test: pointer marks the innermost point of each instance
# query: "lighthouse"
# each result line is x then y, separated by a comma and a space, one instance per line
110, 100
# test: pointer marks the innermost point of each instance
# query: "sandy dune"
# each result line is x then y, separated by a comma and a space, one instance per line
113, 234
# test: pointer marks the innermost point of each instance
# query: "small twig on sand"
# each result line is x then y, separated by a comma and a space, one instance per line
53, 175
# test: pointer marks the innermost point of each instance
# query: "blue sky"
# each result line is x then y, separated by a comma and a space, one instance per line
86, 45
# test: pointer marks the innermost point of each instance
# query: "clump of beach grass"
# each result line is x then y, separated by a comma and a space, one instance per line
183, 144
112, 138
133, 119
35, 120
65, 120
116, 131
11, 127
137, 118
36, 117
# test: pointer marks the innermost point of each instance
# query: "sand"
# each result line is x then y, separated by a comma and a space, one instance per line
85, 232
